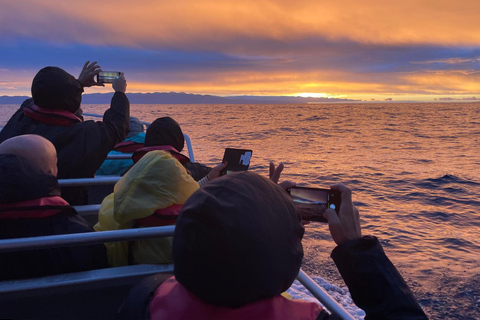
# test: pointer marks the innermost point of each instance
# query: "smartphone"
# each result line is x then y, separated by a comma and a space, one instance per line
312, 202
237, 160
107, 76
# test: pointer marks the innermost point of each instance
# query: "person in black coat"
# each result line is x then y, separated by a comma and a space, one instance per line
237, 243
54, 113
30, 205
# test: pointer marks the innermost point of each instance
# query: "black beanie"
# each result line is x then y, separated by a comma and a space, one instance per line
54, 88
238, 240
20, 180
165, 131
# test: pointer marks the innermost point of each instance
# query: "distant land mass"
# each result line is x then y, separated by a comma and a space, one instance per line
187, 98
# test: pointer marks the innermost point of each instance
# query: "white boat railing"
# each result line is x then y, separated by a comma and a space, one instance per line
75, 239
322, 296
80, 182
68, 240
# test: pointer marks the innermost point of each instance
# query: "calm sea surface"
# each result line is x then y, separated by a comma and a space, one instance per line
414, 170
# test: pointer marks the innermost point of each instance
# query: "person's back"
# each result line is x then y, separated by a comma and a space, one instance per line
237, 246
81, 146
151, 193
30, 205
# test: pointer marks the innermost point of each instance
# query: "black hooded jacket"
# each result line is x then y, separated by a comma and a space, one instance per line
238, 240
81, 146
23, 215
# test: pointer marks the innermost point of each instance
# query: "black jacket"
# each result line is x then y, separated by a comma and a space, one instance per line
81, 147
242, 235
374, 282
19, 183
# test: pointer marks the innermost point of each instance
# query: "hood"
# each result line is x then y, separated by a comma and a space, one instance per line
20, 181
54, 88
135, 127
155, 182
238, 240
165, 131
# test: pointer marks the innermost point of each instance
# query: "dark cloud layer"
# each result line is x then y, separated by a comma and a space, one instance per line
338, 59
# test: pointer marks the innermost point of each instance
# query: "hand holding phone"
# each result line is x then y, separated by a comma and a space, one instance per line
344, 225
236, 159
312, 202
87, 76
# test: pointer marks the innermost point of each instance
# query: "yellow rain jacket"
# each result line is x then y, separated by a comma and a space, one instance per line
156, 181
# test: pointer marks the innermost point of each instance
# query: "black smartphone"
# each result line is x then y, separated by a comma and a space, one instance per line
312, 202
107, 76
237, 160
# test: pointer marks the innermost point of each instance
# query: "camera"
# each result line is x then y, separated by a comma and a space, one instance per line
311, 203
108, 76
237, 160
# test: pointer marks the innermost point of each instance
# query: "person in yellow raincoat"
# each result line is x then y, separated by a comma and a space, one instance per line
151, 193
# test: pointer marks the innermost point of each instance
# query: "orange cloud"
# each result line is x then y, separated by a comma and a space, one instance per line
183, 23
339, 47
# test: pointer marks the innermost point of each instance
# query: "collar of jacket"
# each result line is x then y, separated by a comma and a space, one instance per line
60, 118
137, 155
33, 208
174, 301
128, 146
162, 217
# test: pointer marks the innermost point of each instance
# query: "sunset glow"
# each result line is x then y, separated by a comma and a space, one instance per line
352, 49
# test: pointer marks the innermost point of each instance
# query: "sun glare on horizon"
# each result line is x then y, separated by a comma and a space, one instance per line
311, 95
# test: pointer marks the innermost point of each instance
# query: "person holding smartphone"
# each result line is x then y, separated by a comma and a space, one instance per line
54, 113
242, 233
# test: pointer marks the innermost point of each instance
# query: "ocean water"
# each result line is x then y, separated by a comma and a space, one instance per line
414, 170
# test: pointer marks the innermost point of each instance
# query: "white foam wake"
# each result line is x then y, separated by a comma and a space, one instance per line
341, 295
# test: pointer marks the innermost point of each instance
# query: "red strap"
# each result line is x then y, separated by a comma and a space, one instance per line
128, 146
162, 217
174, 301
61, 118
34, 208
137, 155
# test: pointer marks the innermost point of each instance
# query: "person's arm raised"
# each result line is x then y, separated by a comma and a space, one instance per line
120, 84
373, 281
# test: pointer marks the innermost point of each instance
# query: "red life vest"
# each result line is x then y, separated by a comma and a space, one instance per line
60, 118
34, 208
128, 146
162, 217
174, 301
137, 155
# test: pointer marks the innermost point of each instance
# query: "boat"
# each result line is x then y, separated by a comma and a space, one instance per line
97, 294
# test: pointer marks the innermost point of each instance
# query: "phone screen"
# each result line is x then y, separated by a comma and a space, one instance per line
107, 76
237, 160
312, 202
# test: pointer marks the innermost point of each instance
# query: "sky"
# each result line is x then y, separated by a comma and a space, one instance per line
410, 50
